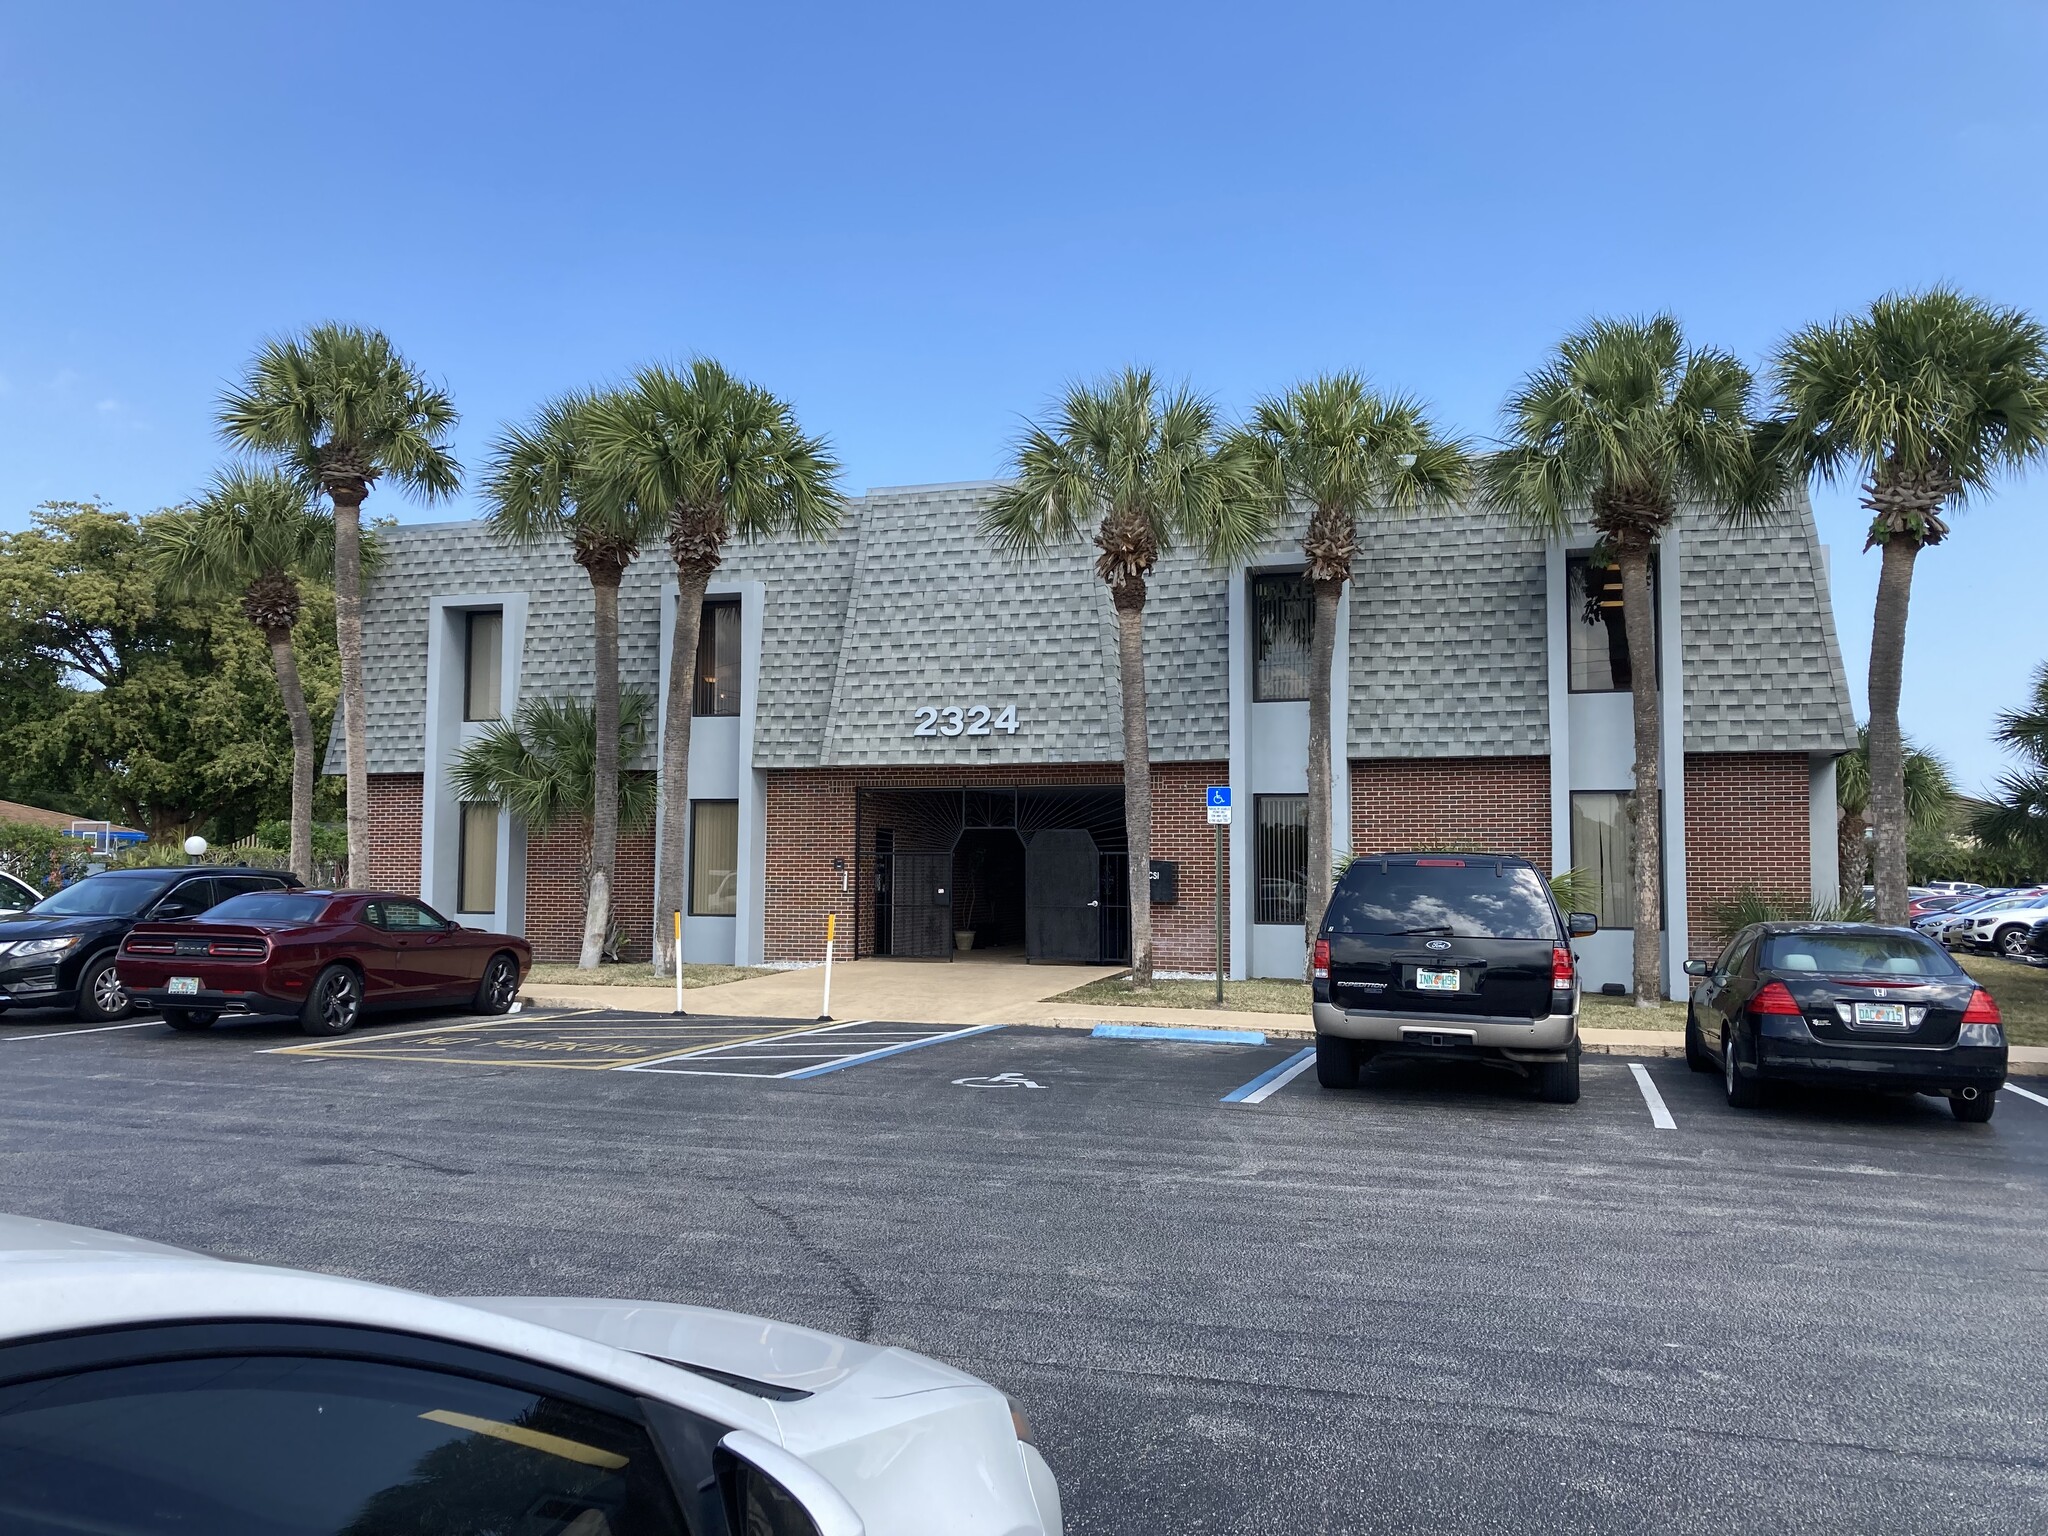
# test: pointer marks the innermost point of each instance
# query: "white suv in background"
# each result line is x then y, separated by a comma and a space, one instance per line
2003, 926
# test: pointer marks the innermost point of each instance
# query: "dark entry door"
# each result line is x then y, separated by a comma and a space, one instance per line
1061, 897
921, 906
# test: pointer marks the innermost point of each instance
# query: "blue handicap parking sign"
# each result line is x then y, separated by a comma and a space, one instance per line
1219, 794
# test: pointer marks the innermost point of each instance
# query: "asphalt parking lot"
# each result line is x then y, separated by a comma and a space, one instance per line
1230, 1301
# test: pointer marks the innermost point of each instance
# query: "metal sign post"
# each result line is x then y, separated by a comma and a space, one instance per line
1219, 818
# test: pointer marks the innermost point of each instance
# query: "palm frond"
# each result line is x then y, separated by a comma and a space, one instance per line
248, 523
541, 765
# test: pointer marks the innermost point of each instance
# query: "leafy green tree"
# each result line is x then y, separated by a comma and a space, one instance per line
1930, 793
1924, 400
1135, 468
1627, 424
541, 485
253, 538
1348, 452
2015, 821
714, 458
165, 715
340, 408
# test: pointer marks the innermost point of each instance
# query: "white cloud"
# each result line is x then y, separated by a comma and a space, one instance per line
108, 406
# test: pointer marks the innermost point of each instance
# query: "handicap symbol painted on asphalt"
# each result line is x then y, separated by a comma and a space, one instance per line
1000, 1080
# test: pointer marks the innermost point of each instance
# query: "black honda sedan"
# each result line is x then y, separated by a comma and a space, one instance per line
1848, 1004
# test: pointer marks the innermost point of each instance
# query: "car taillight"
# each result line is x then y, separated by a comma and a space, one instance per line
241, 948
1982, 1009
150, 947
1560, 968
1773, 999
1321, 961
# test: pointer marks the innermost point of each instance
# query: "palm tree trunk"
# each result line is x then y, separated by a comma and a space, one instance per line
604, 813
671, 870
1852, 856
1322, 646
348, 641
1130, 656
1639, 622
286, 663
1887, 754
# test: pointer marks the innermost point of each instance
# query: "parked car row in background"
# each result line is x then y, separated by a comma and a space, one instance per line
2000, 921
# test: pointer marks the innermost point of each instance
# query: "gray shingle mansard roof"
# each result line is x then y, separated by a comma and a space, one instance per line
908, 603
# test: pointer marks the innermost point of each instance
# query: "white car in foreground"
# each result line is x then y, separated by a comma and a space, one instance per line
148, 1389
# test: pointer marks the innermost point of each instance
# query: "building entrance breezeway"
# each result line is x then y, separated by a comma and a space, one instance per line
1037, 873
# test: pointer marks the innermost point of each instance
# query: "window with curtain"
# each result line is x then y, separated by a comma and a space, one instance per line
1597, 649
1280, 632
476, 885
718, 660
483, 664
1603, 845
714, 857
1280, 858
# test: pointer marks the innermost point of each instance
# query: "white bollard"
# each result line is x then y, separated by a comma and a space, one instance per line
677, 957
831, 931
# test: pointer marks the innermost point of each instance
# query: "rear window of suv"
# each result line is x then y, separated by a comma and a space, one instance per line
1473, 898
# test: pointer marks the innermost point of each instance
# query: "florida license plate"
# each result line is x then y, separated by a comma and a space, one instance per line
1883, 1015
1436, 981
183, 986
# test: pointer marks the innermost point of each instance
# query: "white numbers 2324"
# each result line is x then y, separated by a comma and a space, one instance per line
964, 720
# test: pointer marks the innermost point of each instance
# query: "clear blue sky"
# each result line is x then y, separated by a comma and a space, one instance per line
917, 221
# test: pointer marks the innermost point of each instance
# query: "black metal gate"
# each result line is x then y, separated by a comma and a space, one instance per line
1062, 897
921, 906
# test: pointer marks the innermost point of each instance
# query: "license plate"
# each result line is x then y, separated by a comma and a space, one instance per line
183, 986
1436, 981
1889, 1015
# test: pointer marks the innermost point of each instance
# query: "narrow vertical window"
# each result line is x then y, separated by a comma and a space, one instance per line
1281, 618
718, 660
714, 858
483, 664
1598, 643
476, 883
1604, 846
1280, 858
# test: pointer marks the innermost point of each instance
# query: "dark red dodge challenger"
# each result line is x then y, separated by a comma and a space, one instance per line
320, 956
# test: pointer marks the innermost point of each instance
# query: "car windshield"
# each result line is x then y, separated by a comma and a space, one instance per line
99, 896
1467, 899
1858, 954
269, 907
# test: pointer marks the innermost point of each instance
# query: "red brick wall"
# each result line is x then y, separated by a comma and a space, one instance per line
1499, 804
1747, 824
554, 892
394, 834
810, 822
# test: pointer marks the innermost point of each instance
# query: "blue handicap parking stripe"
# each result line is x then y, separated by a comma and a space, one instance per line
889, 1050
1176, 1032
1272, 1079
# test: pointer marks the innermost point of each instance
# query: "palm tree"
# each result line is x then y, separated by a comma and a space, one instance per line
1135, 467
546, 766
1346, 451
713, 458
540, 485
2016, 821
1626, 423
1930, 793
1924, 400
339, 408
253, 535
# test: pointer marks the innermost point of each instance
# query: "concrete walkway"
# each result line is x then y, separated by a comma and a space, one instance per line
1001, 990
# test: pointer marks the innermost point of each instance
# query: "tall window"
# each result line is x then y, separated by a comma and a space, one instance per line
1280, 858
1603, 845
476, 861
718, 660
1280, 626
483, 664
714, 857
1598, 649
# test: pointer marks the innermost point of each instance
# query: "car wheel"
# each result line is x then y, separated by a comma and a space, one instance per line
1696, 1055
190, 1020
335, 1003
1557, 1082
2012, 941
1743, 1092
101, 997
499, 988
1974, 1111
1336, 1062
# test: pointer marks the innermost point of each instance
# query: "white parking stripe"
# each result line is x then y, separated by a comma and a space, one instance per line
101, 1029
1660, 1117
1273, 1079
2025, 1093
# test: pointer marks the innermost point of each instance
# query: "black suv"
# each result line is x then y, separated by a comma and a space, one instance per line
1448, 955
60, 953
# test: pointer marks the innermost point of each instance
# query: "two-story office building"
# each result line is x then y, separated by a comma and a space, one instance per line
904, 727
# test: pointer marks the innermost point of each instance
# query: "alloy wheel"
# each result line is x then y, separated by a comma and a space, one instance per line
2013, 943
108, 995
502, 985
340, 1004
1728, 1061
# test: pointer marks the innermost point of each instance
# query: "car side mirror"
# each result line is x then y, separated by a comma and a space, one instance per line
173, 909
1698, 968
1582, 925
767, 1490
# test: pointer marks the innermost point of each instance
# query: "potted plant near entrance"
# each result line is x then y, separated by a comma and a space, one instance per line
963, 936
